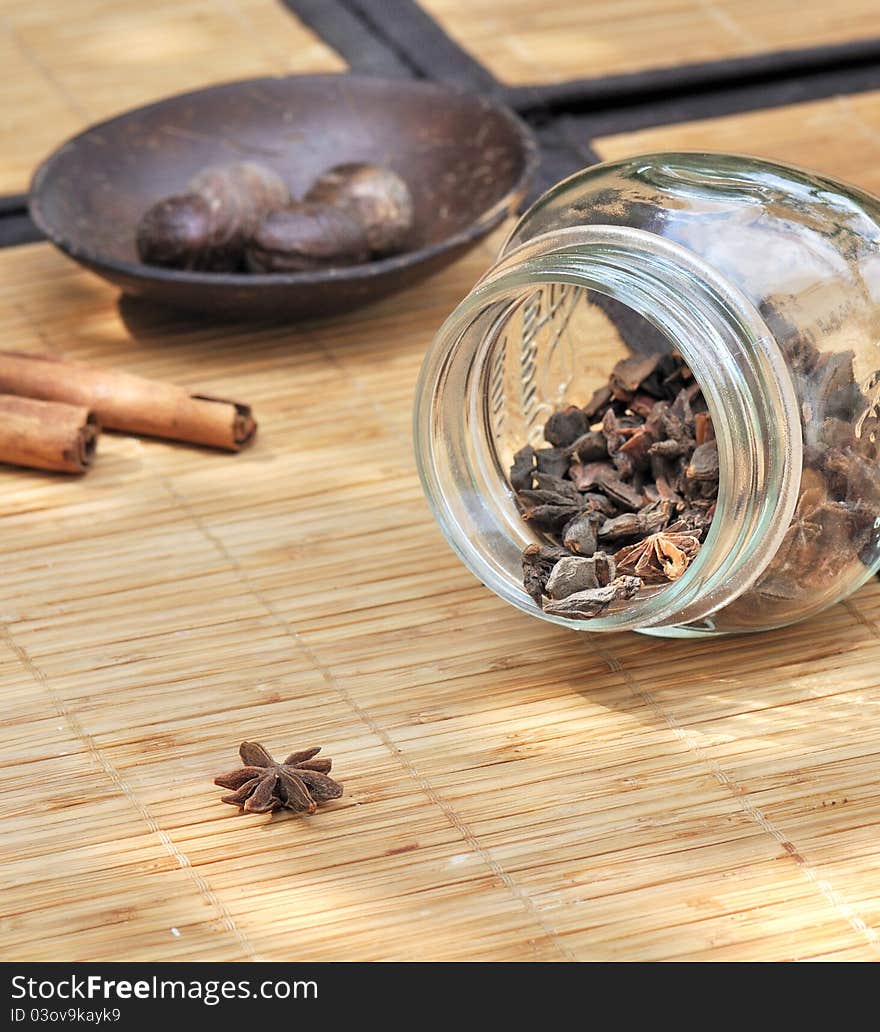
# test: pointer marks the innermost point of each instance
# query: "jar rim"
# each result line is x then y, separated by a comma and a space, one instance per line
734, 357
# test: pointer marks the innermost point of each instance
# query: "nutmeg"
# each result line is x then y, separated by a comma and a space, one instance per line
306, 236
177, 232
377, 197
208, 227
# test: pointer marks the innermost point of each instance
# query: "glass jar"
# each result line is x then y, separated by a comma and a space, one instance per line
766, 279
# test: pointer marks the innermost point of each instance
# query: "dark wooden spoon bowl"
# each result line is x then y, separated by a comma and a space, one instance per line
467, 161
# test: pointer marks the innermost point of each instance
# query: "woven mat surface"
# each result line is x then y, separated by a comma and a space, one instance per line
524, 42
66, 65
513, 790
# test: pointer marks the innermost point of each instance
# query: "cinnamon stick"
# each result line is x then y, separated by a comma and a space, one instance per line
123, 401
47, 434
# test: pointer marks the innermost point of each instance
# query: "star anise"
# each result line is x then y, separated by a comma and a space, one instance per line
663, 556
262, 785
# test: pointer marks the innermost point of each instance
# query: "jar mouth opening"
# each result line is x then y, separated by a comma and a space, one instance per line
733, 357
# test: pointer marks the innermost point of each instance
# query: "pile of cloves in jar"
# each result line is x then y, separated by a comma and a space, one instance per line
624, 491
242, 217
837, 517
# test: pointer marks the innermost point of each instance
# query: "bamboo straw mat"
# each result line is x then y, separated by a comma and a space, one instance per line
66, 64
513, 791
525, 41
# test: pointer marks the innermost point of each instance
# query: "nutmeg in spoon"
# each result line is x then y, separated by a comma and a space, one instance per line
208, 226
377, 197
176, 233
306, 236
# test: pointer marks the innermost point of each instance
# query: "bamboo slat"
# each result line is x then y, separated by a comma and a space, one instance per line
524, 42
66, 65
513, 791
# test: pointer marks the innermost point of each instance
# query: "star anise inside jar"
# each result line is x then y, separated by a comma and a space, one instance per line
624, 491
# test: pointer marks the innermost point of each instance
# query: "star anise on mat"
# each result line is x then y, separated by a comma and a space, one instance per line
262, 785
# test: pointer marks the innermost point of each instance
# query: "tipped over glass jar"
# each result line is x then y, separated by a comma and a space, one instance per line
763, 282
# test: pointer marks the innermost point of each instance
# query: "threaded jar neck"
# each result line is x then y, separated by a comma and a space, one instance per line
725, 343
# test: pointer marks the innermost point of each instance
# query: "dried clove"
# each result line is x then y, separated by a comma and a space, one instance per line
551, 460
599, 404
633, 524
580, 535
594, 602
704, 463
550, 516
572, 574
537, 563
522, 470
636, 468
589, 447
629, 374
566, 426
552, 490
